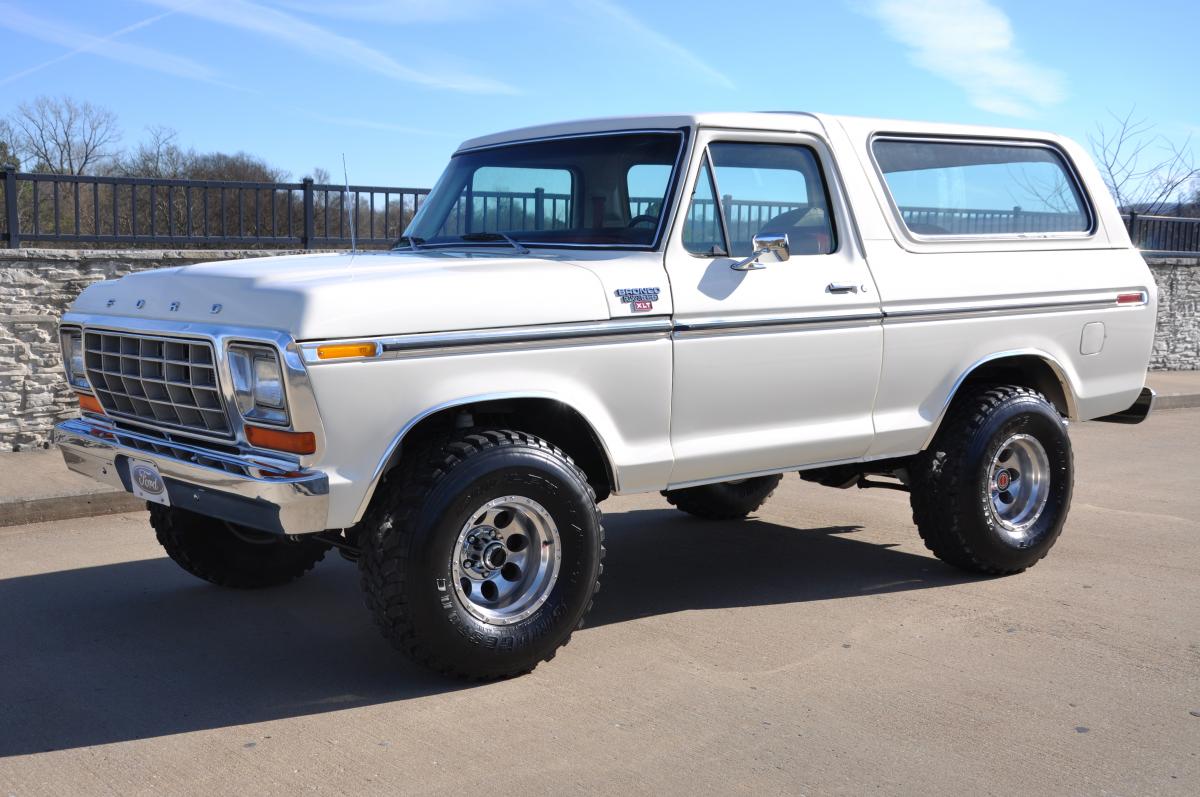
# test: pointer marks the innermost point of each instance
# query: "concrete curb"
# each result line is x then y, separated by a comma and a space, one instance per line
66, 507
1177, 401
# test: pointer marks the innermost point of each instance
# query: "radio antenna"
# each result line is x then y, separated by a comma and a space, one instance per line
353, 236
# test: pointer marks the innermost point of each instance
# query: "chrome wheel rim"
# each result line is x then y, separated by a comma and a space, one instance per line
506, 560
1018, 485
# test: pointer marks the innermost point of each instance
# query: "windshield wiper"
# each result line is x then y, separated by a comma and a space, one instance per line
411, 242
494, 236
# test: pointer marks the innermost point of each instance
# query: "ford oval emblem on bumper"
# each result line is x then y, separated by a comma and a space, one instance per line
148, 480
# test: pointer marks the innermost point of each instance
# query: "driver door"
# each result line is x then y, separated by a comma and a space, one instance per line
775, 367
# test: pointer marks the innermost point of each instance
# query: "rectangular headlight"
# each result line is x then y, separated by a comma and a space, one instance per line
258, 384
71, 341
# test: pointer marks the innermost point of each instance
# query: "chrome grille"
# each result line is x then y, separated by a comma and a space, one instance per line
183, 453
169, 382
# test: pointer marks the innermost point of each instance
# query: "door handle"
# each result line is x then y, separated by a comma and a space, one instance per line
841, 287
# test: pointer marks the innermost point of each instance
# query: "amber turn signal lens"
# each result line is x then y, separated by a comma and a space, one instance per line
280, 440
342, 350
90, 404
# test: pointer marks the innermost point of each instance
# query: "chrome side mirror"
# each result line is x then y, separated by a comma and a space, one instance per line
772, 248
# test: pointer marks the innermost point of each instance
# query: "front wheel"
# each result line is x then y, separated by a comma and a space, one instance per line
991, 493
481, 553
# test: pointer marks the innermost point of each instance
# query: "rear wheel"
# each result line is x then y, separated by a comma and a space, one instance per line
991, 494
231, 555
724, 501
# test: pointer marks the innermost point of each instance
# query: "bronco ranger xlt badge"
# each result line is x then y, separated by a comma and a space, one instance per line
830, 305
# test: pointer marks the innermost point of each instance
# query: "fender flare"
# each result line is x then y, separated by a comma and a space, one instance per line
396, 445
1060, 372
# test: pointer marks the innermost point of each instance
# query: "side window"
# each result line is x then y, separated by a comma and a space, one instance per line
772, 188
504, 199
959, 188
702, 228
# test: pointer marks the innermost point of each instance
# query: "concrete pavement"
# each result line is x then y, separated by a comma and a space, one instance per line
815, 649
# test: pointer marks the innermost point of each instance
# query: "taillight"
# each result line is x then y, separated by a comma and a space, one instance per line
1132, 298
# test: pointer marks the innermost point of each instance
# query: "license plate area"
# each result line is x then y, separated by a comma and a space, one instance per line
147, 483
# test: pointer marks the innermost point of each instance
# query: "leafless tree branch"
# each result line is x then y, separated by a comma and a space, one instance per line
64, 136
1143, 169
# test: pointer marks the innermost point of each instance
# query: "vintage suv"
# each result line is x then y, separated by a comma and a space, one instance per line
690, 304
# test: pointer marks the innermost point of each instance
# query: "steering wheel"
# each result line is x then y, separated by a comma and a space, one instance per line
644, 218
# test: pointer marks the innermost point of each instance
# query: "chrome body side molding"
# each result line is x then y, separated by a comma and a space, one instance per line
470, 340
1106, 300
637, 329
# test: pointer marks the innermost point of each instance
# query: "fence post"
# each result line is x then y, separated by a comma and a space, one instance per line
1133, 226
539, 208
309, 225
10, 206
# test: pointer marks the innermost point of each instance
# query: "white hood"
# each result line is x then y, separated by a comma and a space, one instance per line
322, 296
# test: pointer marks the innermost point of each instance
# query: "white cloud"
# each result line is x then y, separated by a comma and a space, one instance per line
401, 11
80, 42
657, 43
328, 46
971, 44
375, 124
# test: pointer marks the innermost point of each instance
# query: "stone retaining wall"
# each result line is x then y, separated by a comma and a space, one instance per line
1177, 339
37, 285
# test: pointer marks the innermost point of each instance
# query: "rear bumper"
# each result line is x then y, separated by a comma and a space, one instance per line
1136, 413
238, 489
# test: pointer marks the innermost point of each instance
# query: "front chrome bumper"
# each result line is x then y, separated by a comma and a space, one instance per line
239, 489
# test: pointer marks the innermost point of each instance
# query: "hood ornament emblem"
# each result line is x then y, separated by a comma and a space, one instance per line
173, 306
216, 308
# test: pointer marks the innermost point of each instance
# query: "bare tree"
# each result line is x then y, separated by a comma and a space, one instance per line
64, 136
158, 155
1144, 170
7, 156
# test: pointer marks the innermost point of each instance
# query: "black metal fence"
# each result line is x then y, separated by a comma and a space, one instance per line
1164, 235
70, 210
975, 221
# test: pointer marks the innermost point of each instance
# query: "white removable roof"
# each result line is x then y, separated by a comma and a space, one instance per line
749, 121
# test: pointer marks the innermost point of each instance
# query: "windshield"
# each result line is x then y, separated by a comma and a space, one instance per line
605, 190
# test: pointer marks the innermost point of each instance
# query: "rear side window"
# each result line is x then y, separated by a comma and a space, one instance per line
943, 188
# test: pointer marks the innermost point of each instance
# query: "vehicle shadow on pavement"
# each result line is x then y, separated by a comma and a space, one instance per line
141, 649
661, 561
136, 650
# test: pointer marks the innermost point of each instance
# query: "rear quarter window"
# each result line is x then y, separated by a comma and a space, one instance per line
958, 188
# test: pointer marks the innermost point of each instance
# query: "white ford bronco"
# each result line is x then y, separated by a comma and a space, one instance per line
689, 304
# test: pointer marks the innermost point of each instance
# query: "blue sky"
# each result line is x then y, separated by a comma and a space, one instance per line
397, 84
